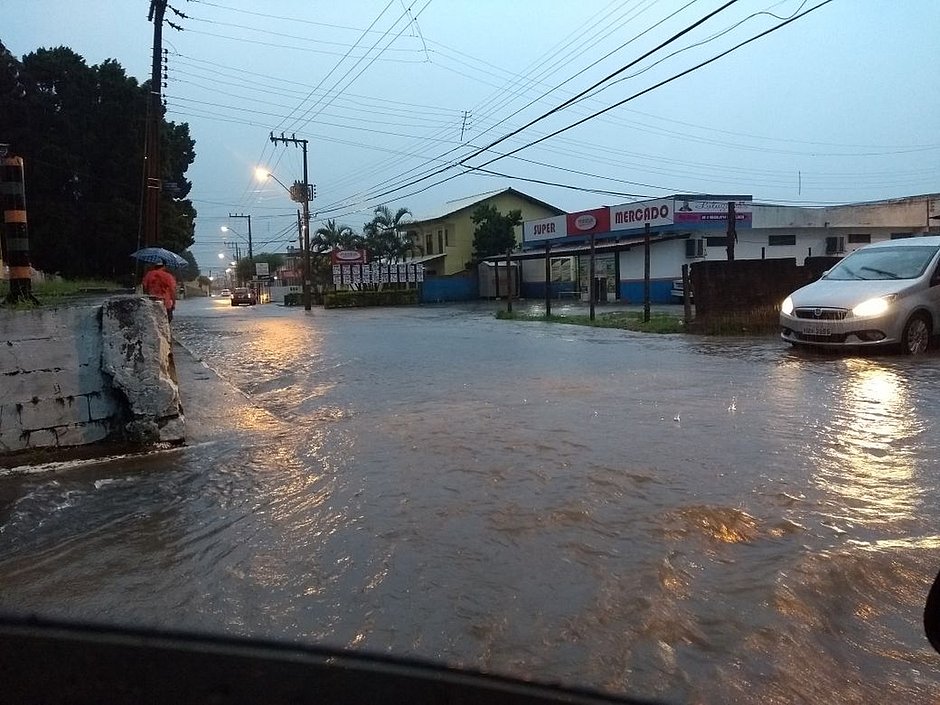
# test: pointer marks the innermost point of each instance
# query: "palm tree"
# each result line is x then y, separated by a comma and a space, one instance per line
332, 235
386, 235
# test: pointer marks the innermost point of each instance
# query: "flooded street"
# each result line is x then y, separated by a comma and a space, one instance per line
697, 520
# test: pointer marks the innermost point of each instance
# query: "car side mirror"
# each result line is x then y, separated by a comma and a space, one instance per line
932, 615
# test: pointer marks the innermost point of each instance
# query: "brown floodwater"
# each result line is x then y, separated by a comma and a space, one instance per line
696, 520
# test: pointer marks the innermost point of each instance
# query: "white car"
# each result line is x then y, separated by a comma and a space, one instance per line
226, 293
884, 294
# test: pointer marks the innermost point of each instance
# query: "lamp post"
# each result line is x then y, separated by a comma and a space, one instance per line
300, 192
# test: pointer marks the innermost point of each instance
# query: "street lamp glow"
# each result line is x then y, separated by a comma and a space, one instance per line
221, 255
262, 174
224, 229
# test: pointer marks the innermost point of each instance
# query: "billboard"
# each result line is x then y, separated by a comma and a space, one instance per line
588, 222
544, 229
698, 212
635, 216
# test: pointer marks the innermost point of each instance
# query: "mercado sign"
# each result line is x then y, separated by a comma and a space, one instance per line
632, 216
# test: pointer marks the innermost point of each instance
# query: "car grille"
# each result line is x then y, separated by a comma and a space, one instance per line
821, 314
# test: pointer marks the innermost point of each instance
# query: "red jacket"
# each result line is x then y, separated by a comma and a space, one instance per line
160, 283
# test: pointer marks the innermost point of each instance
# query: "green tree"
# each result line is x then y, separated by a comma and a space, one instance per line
386, 235
332, 235
495, 233
80, 131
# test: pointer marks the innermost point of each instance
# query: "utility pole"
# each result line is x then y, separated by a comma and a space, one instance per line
592, 294
301, 192
152, 182
732, 236
646, 273
242, 215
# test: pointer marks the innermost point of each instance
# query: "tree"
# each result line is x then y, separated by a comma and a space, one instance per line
495, 232
332, 235
386, 235
80, 131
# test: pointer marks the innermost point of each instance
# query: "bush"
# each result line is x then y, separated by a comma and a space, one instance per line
358, 299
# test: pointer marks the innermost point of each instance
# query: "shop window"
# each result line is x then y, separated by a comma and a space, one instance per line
716, 241
781, 240
859, 238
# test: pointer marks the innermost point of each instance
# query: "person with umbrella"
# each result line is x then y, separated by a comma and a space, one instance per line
158, 282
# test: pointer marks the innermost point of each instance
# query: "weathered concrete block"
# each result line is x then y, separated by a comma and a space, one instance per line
71, 376
44, 413
22, 386
136, 355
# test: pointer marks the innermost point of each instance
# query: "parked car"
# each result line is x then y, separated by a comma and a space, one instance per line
227, 293
884, 294
245, 296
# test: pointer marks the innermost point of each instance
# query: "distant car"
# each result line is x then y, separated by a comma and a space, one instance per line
884, 294
243, 296
226, 292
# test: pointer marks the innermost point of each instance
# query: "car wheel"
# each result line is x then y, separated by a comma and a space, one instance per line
916, 335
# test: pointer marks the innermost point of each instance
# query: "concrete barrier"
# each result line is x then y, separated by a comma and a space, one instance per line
84, 374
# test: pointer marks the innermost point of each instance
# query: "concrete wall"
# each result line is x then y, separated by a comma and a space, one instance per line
83, 374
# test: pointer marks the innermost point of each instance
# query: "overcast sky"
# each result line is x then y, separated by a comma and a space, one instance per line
838, 106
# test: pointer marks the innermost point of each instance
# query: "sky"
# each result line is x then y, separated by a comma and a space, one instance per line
415, 104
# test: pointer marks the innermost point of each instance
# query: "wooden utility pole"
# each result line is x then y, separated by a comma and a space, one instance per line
548, 280
646, 273
592, 294
153, 184
686, 294
509, 280
732, 236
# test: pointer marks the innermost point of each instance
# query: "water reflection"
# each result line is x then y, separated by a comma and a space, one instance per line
865, 451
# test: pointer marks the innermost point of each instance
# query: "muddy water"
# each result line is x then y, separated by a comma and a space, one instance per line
694, 520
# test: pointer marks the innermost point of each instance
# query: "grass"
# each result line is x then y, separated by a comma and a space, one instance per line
623, 320
55, 290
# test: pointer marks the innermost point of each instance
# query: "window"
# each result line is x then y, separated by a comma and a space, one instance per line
440, 241
428, 243
901, 236
781, 240
859, 238
446, 237
716, 241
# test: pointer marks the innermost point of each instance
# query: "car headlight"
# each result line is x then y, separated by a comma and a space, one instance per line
873, 307
787, 306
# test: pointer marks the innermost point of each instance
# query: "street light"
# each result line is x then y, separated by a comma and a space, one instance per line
300, 192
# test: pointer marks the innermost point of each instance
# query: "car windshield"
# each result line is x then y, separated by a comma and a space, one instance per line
905, 262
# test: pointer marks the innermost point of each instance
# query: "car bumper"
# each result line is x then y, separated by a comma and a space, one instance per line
847, 332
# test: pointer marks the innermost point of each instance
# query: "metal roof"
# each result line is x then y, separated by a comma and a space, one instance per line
469, 201
583, 248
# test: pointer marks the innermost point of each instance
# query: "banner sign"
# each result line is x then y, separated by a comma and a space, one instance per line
349, 256
635, 216
544, 229
588, 222
355, 274
712, 213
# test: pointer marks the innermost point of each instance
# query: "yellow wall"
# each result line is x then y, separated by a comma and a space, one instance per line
460, 227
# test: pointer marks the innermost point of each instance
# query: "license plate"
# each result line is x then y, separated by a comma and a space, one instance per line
817, 330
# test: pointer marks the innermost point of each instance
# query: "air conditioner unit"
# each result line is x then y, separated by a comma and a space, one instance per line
694, 248
835, 245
